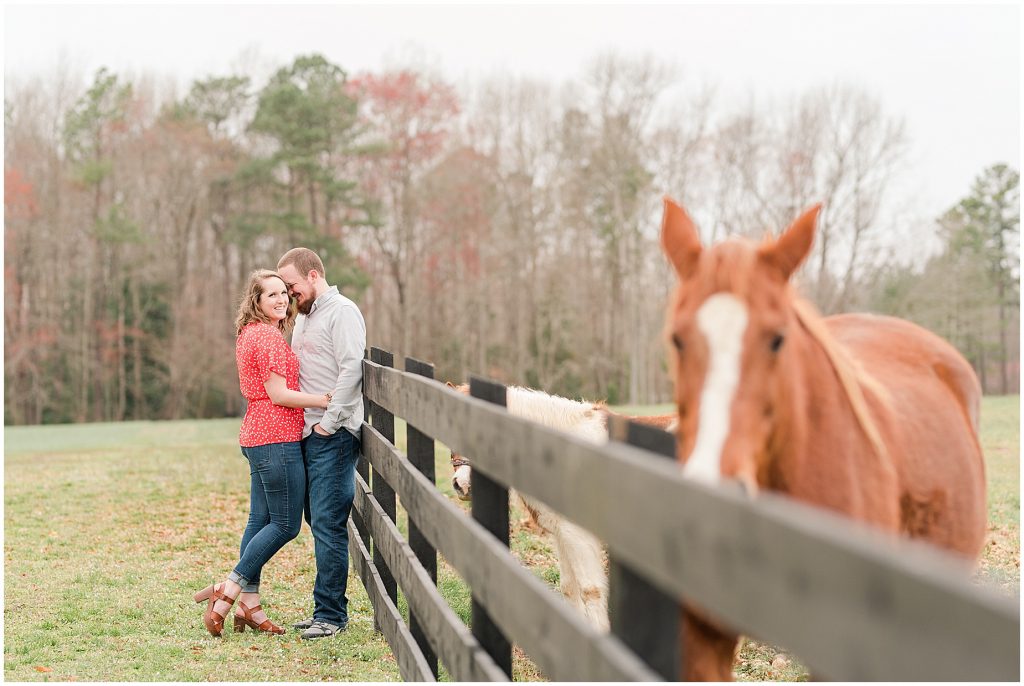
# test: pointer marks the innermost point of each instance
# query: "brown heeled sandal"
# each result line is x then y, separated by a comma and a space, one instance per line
245, 620
213, 620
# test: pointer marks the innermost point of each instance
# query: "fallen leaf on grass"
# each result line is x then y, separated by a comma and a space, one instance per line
254, 648
39, 668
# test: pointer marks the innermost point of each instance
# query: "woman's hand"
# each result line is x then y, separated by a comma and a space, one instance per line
281, 395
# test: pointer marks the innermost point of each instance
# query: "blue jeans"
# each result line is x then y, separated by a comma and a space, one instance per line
330, 488
277, 492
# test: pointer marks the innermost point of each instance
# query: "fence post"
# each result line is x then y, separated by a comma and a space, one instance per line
420, 449
490, 508
644, 618
363, 466
384, 422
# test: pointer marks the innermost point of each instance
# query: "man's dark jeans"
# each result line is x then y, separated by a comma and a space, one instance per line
330, 488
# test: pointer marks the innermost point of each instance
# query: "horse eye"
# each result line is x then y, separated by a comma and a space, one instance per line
677, 342
777, 341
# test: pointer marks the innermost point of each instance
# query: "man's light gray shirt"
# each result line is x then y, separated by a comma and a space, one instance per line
329, 342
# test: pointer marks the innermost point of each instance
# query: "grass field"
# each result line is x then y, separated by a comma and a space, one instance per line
110, 528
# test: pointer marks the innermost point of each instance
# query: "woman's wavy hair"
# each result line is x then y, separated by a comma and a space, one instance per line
249, 308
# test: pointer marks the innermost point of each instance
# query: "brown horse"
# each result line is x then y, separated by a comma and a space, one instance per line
870, 416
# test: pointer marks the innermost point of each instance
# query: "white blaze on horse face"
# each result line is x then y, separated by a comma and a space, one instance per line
460, 481
723, 320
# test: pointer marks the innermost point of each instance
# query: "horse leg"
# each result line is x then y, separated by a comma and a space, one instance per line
551, 523
567, 582
708, 651
581, 564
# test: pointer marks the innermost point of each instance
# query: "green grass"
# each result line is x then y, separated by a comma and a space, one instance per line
1000, 441
110, 528
81, 438
105, 544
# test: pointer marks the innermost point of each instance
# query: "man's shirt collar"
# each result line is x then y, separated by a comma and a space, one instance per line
325, 296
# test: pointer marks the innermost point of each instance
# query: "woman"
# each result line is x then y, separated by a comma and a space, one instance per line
268, 373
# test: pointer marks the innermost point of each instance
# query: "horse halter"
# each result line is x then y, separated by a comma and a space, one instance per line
459, 461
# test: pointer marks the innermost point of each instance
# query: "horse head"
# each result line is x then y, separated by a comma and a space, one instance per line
728, 325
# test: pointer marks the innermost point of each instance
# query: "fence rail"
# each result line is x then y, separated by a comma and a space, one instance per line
851, 603
552, 633
449, 637
411, 663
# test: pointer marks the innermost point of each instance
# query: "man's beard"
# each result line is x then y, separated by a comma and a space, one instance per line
304, 307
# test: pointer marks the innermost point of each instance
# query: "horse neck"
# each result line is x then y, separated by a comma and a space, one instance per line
830, 388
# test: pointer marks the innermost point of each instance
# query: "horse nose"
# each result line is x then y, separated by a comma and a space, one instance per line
463, 494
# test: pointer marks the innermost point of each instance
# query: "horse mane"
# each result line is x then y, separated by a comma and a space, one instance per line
551, 410
852, 377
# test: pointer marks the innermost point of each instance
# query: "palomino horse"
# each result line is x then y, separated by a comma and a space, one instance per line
870, 416
582, 578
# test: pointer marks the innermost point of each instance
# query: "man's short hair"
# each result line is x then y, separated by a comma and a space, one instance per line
305, 261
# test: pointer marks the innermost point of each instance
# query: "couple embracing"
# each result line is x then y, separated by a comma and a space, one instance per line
300, 435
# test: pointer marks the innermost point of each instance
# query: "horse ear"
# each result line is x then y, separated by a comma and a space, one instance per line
449, 384
794, 244
679, 238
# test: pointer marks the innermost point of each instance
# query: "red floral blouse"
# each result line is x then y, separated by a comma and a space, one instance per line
259, 350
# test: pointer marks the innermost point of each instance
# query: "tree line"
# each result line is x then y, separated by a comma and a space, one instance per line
506, 227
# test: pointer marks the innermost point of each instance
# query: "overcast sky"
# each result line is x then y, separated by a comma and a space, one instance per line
951, 72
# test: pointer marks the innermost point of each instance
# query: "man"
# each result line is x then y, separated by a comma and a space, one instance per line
329, 339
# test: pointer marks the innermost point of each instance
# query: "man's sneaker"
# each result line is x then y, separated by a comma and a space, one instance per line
320, 629
304, 624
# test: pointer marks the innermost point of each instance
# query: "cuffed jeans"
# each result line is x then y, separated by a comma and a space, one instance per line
330, 488
277, 493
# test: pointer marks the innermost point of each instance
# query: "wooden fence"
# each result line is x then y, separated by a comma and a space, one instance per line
850, 603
